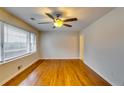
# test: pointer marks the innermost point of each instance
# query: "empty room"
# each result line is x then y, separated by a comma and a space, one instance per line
61, 46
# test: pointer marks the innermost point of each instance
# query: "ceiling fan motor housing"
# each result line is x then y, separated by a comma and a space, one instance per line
58, 15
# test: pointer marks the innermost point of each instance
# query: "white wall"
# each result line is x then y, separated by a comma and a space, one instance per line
8, 70
104, 46
102, 43
60, 45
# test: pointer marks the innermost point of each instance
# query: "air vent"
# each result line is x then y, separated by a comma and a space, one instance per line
32, 18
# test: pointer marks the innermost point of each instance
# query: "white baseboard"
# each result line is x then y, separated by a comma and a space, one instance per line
60, 58
105, 78
6, 80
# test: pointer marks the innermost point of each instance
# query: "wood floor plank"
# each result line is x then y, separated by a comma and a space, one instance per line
61, 73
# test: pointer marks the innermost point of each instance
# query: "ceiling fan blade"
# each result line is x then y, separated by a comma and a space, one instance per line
44, 22
70, 19
67, 25
50, 16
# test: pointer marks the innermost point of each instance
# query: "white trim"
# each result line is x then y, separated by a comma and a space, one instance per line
15, 58
60, 58
2, 41
105, 78
6, 80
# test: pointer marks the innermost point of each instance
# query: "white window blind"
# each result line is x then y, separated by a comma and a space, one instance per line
33, 42
16, 42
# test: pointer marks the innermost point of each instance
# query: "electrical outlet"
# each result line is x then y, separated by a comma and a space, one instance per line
19, 67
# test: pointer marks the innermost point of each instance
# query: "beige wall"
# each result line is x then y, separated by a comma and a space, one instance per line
81, 46
60, 45
104, 46
8, 70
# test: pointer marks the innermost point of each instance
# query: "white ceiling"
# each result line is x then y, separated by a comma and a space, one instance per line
85, 16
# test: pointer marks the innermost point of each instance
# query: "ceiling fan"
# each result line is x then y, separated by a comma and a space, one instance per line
57, 21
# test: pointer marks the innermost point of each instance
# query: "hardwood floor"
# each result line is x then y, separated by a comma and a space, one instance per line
59, 73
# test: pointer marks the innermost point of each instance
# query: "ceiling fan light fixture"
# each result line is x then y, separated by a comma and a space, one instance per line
58, 23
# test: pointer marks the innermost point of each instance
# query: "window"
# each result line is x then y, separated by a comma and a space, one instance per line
33, 42
15, 42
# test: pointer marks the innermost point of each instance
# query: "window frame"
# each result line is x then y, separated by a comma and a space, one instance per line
2, 41
21, 55
35, 42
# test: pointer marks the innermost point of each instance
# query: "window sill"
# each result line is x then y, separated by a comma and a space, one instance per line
16, 58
